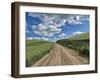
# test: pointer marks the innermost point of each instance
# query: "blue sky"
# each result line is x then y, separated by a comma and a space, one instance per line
53, 27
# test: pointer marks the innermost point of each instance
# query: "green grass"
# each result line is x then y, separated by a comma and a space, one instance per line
80, 43
36, 49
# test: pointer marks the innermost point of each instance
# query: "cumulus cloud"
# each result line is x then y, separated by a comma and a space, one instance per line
74, 20
49, 27
29, 38
52, 24
36, 38
41, 38
34, 15
46, 30
77, 32
62, 35
44, 38
77, 19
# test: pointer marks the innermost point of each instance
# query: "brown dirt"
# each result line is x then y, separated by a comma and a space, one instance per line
60, 55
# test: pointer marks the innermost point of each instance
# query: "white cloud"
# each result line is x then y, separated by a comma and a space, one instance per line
74, 20
29, 38
55, 38
62, 35
43, 33
34, 14
77, 18
52, 23
36, 38
58, 21
46, 30
44, 38
41, 38
77, 32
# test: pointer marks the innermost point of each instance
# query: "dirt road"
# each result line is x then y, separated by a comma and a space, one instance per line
60, 55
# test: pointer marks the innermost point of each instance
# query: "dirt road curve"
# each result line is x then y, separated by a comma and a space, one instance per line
60, 55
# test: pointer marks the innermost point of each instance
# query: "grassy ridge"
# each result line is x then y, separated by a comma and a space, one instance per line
80, 43
36, 49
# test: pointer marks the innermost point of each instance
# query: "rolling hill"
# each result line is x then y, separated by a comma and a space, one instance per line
80, 43
36, 49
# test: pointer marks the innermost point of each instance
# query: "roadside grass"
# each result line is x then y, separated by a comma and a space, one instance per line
35, 50
80, 43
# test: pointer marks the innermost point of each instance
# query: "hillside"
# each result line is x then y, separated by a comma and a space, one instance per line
80, 43
36, 49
